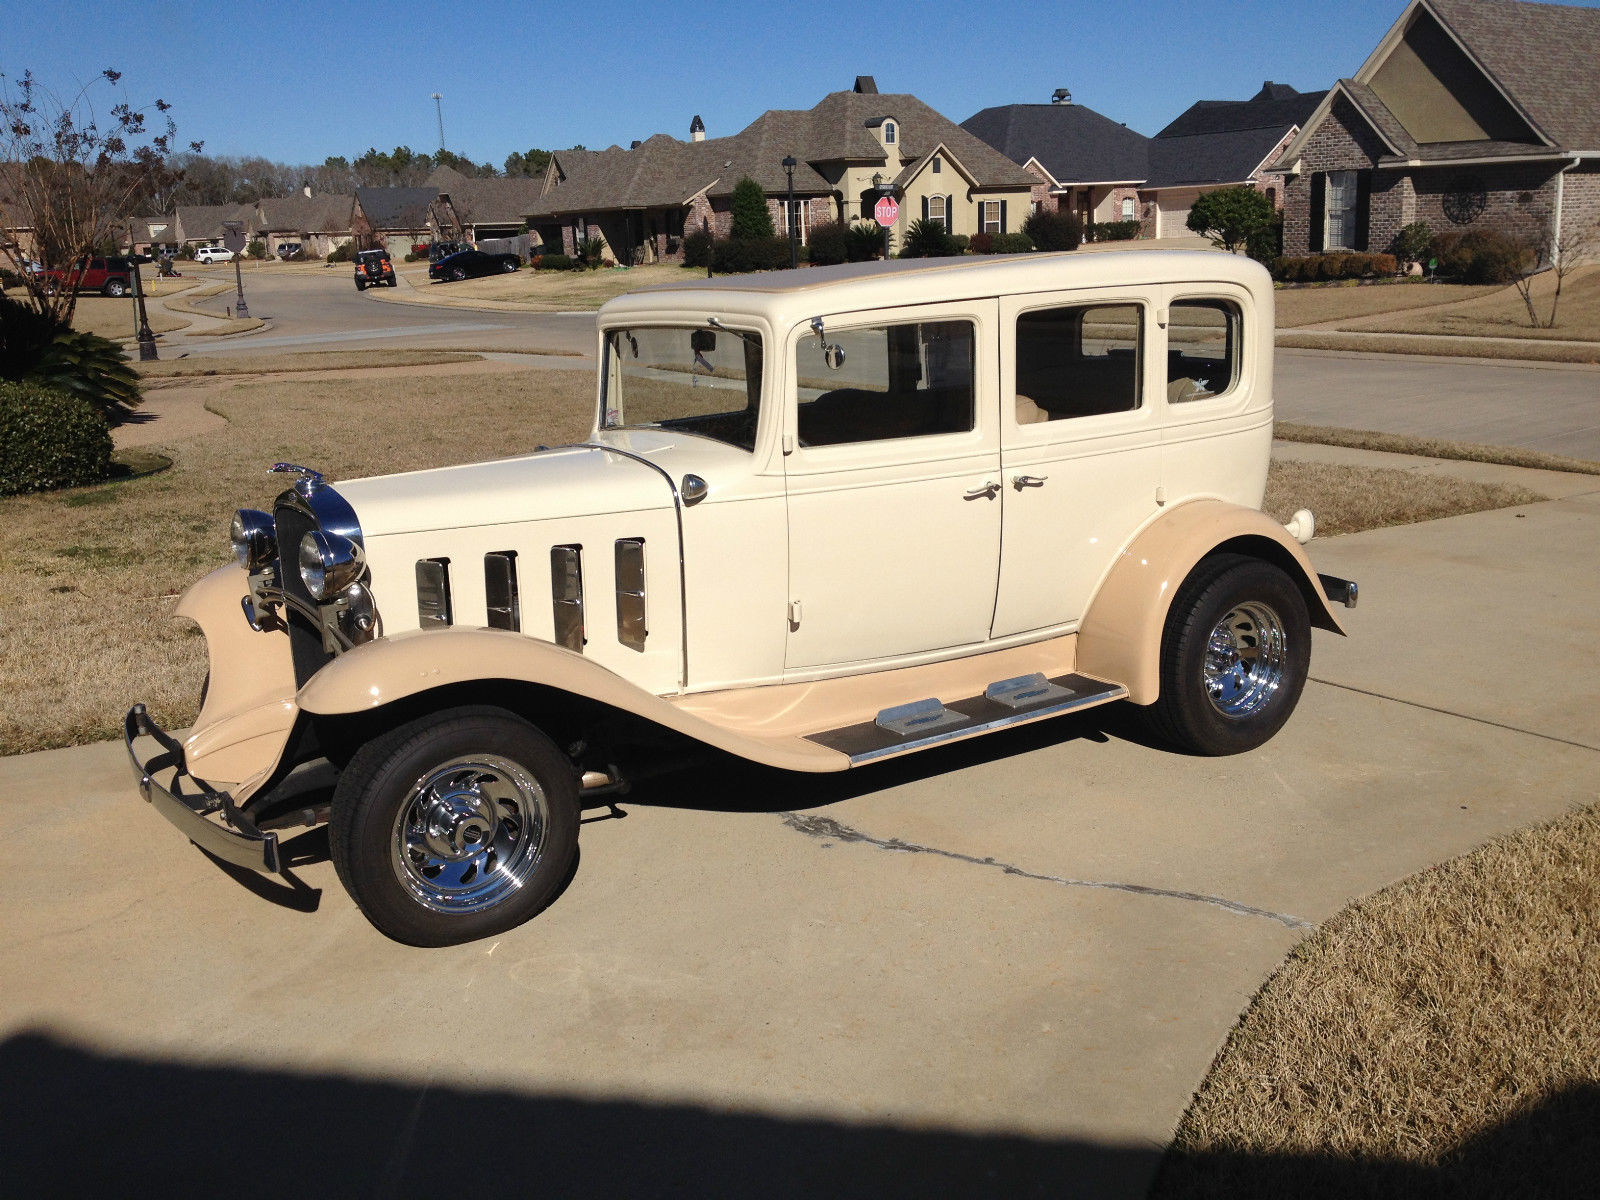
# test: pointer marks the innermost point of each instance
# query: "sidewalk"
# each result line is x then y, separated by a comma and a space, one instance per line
995, 970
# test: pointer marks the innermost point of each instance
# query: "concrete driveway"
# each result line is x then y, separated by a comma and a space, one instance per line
1000, 969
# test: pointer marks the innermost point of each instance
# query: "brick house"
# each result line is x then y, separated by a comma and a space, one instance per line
392, 218
849, 149
468, 208
319, 223
1470, 114
1102, 171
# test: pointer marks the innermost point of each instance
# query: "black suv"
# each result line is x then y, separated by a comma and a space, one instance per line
374, 268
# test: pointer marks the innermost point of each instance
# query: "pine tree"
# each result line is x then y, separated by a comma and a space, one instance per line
751, 217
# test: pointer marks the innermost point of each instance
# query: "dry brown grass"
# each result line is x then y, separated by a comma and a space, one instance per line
1441, 1037
1347, 499
1309, 305
314, 360
1501, 313
1398, 443
545, 291
91, 575
1432, 345
115, 319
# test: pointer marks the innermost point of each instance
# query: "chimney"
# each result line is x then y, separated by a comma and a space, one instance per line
635, 144
866, 85
1061, 96
697, 129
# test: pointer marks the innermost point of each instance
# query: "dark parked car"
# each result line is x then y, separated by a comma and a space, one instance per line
373, 268
467, 263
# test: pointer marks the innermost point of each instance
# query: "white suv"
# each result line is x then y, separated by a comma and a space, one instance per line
823, 518
213, 254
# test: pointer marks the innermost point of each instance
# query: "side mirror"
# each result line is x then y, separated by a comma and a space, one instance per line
702, 340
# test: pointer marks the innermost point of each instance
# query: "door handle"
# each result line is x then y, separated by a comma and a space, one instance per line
1027, 481
987, 492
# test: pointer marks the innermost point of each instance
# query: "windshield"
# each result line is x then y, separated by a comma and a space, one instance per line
701, 381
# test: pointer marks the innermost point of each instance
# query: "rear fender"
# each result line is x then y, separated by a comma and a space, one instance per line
1120, 637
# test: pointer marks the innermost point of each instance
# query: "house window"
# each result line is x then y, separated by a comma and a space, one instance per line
936, 211
991, 216
1341, 219
797, 218
1127, 208
937, 165
888, 133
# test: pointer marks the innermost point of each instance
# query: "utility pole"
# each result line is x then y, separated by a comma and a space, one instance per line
438, 107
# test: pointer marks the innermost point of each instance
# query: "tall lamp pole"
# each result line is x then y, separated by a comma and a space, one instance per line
438, 107
147, 339
234, 240
789, 165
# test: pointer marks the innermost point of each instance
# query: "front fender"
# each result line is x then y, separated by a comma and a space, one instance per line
407, 664
1119, 638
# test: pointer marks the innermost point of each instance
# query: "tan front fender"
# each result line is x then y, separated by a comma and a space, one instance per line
407, 664
1120, 636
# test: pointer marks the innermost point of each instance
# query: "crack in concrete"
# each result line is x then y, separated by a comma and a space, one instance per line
827, 827
1447, 712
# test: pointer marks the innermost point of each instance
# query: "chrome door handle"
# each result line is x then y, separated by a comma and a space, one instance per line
1027, 481
987, 492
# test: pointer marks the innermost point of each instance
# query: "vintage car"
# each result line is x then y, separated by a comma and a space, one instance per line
824, 518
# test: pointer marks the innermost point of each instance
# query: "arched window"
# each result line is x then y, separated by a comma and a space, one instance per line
888, 133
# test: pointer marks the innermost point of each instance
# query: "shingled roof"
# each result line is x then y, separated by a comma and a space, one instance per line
203, 222
328, 213
396, 207
1075, 144
1276, 105
662, 171
494, 201
1543, 56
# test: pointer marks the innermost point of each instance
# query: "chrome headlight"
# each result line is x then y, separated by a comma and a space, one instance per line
254, 538
329, 563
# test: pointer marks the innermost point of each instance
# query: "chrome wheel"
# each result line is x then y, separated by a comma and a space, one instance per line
469, 834
1246, 659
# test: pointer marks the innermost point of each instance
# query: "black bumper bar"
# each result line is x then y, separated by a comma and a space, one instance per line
1339, 591
238, 841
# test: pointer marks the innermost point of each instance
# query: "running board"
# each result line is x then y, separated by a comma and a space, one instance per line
924, 723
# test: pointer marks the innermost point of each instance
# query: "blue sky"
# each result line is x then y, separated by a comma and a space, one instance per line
297, 81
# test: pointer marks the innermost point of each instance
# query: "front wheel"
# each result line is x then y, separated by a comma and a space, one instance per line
1235, 653
455, 827
509, 265
115, 288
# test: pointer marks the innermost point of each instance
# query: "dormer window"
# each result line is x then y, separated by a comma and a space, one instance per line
888, 133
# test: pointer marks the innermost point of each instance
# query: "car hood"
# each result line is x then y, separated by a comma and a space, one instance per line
565, 482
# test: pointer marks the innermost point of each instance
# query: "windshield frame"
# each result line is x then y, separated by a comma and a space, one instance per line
747, 419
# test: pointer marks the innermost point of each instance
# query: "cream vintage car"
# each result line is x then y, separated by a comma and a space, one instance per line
824, 518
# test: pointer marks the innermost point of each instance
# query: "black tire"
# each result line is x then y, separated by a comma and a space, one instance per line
115, 288
360, 286
392, 283
423, 848
1234, 697
458, 273
509, 265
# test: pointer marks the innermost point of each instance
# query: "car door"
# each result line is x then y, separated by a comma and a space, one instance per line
892, 484
1080, 447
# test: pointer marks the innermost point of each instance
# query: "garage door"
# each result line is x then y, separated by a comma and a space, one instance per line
1175, 207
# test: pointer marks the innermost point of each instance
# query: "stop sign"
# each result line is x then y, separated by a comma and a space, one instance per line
886, 211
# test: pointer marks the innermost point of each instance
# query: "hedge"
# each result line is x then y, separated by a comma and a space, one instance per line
1314, 268
49, 439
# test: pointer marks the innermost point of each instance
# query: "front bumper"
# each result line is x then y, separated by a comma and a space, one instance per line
236, 840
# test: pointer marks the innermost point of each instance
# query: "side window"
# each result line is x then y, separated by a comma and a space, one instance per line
1202, 349
1084, 360
886, 381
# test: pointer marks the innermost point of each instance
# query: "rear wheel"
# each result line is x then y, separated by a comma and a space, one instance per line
458, 273
1235, 654
509, 265
361, 285
455, 827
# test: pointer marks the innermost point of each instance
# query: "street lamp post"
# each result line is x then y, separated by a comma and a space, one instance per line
147, 339
235, 241
789, 165
883, 190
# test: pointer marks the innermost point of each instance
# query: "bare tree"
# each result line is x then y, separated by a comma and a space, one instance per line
67, 178
1554, 257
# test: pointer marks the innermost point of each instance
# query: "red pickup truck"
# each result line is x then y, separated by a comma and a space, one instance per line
108, 276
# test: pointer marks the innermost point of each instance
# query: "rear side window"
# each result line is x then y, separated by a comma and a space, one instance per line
1081, 360
1202, 349
886, 381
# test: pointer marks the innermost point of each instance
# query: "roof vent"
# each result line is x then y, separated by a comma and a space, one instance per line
866, 85
1061, 96
635, 144
697, 129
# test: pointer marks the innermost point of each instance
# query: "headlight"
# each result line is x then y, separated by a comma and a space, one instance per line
329, 563
254, 538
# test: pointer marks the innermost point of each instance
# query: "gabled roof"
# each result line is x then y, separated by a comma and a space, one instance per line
916, 167
1074, 144
1210, 158
396, 207
1543, 56
662, 171
329, 213
204, 221
1276, 105
494, 201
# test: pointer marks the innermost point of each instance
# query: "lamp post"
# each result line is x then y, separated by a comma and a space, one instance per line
147, 339
789, 165
234, 239
882, 190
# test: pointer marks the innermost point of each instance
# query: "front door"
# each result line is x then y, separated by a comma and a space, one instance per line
893, 484
1080, 448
